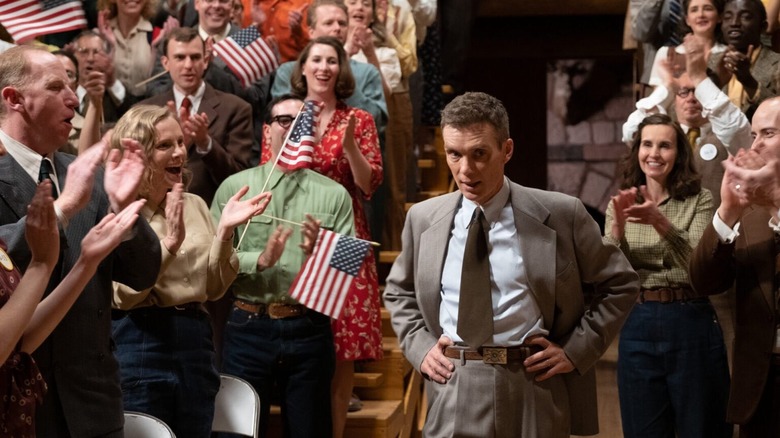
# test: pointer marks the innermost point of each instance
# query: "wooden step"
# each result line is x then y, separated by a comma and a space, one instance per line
428, 194
377, 419
426, 163
395, 369
388, 257
387, 326
368, 380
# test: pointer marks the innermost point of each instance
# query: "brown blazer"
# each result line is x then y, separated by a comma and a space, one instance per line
562, 250
750, 262
230, 128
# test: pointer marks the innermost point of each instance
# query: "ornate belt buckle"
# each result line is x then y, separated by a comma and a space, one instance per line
494, 355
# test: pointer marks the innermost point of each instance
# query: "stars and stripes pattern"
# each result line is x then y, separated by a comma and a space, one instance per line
27, 19
324, 281
297, 151
247, 55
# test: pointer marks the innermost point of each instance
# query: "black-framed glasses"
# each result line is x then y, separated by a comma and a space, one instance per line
685, 91
284, 120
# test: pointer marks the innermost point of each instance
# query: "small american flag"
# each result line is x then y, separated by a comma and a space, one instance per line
27, 19
298, 150
247, 55
325, 279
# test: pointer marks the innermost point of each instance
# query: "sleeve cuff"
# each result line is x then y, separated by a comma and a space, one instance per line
204, 151
117, 91
725, 233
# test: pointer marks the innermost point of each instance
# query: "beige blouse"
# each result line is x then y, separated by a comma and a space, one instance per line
202, 269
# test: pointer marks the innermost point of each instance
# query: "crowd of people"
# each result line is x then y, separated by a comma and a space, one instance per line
148, 239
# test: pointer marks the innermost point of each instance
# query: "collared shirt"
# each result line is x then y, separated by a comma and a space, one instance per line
293, 195
133, 56
217, 37
662, 261
516, 315
202, 269
31, 163
117, 91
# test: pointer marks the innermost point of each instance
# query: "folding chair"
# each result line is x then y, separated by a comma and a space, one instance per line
140, 425
237, 407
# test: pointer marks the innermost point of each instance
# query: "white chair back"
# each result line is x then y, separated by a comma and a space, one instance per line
140, 425
237, 408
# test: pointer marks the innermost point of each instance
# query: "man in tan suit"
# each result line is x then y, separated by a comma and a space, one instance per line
739, 248
532, 374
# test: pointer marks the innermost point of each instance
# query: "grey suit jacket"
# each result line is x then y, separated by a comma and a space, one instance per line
750, 264
562, 249
763, 71
77, 360
230, 128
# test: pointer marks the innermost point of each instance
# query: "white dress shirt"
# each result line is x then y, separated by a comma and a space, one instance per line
516, 315
195, 99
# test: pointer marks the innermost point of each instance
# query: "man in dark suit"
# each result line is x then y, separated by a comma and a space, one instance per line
217, 126
740, 248
521, 364
77, 361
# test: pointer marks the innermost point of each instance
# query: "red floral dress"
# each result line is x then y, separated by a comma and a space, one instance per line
21, 384
358, 333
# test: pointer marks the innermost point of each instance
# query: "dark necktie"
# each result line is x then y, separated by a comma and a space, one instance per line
673, 21
475, 308
186, 103
46, 171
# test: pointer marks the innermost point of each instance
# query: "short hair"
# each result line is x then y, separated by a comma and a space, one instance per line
311, 14
70, 56
683, 181
149, 11
345, 83
92, 33
182, 35
757, 4
15, 69
140, 124
276, 101
474, 108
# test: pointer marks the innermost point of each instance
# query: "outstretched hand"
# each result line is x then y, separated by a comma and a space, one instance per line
123, 174
77, 190
237, 212
174, 219
274, 248
109, 233
41, 230
310, 230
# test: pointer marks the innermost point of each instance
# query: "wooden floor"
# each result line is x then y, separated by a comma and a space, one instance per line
609, 407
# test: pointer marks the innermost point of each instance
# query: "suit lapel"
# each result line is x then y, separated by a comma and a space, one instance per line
537, 248
761, 252
209, 105
433, 249
18, 189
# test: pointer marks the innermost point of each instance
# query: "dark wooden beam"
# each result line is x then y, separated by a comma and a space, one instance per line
519, 8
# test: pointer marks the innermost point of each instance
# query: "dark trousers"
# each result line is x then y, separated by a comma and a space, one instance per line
673, 375
296, 356
765, 423
166, 361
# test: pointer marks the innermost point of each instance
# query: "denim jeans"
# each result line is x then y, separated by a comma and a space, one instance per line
166, 360
673, 373
295, 355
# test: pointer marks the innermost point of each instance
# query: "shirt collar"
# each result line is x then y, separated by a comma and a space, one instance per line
26, 157
179, 95
217, 36
493, 207
143, 25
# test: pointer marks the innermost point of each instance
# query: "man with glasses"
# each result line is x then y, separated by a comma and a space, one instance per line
277, 344
97, 81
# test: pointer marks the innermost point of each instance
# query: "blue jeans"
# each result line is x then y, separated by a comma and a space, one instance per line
294, 355
673, 373
166, 360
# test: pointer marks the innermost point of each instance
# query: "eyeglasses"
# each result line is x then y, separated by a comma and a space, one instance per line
284, 120
86, 51
685, 91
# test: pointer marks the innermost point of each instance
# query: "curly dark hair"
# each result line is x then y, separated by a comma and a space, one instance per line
683, 181
345, 83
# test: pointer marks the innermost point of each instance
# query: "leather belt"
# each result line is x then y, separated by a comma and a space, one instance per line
492, 355
187, 309
664, 295
273, 310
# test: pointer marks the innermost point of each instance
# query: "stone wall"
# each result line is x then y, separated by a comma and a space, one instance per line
583, 159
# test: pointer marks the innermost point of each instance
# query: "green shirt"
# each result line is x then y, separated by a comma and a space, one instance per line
292, 196
662, 261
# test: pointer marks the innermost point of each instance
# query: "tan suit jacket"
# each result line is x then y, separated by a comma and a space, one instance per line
562, 250
750, 262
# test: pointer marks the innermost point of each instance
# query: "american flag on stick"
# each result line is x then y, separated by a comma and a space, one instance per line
27, 19
298, 150
247, 55
325, 279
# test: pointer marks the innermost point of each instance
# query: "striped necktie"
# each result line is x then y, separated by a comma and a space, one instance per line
673, 23
46, 171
